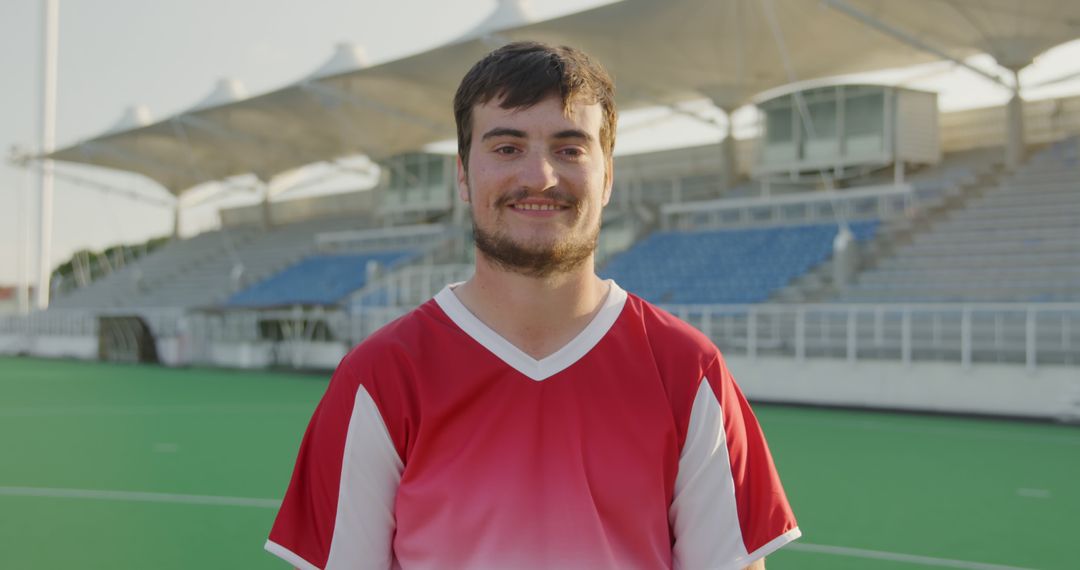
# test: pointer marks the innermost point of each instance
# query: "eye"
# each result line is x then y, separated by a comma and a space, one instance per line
506, 149
572, 152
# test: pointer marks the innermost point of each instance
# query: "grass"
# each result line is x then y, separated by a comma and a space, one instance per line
871, 490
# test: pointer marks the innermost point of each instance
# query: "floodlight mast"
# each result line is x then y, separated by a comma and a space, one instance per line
50, 17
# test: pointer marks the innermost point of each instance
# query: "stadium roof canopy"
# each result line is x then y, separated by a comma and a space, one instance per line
660, 53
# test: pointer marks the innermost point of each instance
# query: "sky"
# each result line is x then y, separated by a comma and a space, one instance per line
167, 55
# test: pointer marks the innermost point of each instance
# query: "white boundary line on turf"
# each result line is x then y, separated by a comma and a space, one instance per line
969, 432
152, 410
55, 493
898, 557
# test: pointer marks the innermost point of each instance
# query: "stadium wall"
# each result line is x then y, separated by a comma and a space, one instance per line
1049, 392
50, 346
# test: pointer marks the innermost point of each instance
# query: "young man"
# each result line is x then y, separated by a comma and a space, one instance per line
535, 416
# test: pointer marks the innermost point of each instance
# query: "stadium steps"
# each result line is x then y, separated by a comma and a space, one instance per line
1064, 246
996, 234
121, 288
261, 252
1019, 241
1057, 218
984, 170
965, 275
1065, 258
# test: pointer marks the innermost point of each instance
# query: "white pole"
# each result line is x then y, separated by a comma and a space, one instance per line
23, 238
1014, 112
48, 132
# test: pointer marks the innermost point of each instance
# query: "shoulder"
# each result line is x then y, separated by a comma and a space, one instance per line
669, 337
384, 367
389, 351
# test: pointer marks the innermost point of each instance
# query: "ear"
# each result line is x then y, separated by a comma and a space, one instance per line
462, 181
609, 179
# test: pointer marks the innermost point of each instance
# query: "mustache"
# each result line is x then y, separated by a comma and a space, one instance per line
560, 196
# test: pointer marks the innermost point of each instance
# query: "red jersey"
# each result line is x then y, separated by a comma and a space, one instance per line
440, 445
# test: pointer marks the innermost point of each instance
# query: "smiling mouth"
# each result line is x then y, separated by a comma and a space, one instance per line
538, 207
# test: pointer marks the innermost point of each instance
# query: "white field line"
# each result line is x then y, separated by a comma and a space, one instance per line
55, 493
151, 410
972, 432
898, 557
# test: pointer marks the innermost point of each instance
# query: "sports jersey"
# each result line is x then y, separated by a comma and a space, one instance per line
441, 445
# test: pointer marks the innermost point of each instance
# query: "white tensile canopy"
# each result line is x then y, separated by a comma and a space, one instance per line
660, 53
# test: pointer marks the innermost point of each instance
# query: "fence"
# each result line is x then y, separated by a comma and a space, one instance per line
1037, 334
1032, 334
873, 202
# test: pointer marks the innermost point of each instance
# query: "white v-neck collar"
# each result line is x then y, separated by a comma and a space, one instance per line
516, 358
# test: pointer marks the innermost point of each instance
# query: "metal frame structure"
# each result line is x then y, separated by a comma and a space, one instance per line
697, 60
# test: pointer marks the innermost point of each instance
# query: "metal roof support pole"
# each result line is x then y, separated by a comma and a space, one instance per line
1014, 126
274, 184
50, 17
1014, 143
267, 218
910, 39
802, 110
177, 207
728, 153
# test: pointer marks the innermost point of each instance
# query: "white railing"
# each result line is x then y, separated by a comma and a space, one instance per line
1032, 334
398, 236
880, 202
72, 322
1036, 334
411, 285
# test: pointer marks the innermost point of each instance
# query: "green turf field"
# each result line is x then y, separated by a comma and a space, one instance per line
114, 466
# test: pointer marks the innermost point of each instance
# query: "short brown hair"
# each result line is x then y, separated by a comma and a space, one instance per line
524, 73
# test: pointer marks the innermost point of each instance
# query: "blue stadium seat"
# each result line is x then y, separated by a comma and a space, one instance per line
317, 280
725, 266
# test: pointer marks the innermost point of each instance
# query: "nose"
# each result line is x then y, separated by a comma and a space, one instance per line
537, 172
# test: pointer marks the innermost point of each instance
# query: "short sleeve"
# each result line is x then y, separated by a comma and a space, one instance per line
338, 511
729, 508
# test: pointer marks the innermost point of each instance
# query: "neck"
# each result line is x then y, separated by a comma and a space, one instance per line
539, 315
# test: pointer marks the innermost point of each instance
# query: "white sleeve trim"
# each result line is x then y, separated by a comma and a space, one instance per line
771, 546
288, 556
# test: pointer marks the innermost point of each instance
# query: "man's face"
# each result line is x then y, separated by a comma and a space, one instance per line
537, 182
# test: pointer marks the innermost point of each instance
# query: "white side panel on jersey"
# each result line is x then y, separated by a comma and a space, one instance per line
703, 512
370, 474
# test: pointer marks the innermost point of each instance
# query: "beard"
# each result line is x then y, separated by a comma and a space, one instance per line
537, 259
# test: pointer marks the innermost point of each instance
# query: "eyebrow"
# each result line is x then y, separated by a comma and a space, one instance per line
516, 133
503, 132
573, 134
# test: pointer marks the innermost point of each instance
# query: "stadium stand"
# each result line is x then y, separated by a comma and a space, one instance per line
725, 266
120, 288
206, 269
1019, 241
317, 280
